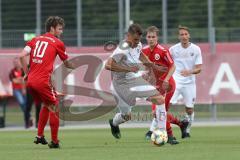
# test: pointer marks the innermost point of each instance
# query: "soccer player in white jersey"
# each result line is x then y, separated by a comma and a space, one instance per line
125, 62
188, 61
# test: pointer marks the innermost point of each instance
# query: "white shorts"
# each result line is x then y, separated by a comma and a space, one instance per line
126, 93
187, 92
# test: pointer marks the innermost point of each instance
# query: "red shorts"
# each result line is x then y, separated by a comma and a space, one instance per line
169, 93
43, 93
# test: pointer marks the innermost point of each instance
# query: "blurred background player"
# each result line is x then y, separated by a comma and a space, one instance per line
29, 104
125, 63
43, 50
19, 90
188, 60
164, 81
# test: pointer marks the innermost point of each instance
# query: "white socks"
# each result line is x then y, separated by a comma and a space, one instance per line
161, 116
118, 119
153, 124
190, 118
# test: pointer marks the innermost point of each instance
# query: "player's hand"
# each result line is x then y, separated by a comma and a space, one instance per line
134, 69
185, 73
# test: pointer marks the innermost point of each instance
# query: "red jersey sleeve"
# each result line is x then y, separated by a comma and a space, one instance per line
144, 50
168, 58
31, 43
61, 51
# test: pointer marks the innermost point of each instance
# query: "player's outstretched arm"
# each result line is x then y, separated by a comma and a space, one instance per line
197, 69
68, 64
170, 72
166, 84
149, 64
23, 60
144, 59
112, 65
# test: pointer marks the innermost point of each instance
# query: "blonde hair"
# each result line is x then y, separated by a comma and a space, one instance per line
152, 29
183, 27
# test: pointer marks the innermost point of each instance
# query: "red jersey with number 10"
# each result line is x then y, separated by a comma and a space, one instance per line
44, 50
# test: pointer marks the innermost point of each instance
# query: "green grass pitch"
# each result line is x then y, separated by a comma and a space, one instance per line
206, 143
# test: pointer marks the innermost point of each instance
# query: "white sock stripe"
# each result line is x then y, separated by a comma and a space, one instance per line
191, 119
161, 115
153, 124
118, 119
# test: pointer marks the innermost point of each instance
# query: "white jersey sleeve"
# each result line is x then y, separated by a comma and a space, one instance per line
171, 51
117, 55
120, 52
199, 56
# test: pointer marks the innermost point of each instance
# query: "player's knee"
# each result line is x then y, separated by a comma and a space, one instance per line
160, 100
157, 99
126, 117
52, 108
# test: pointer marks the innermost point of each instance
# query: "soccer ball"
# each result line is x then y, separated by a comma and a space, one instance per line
159, 137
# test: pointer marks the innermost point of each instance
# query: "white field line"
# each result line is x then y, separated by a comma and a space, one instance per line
127, 125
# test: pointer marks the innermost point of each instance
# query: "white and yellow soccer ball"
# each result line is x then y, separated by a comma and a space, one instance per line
159, 137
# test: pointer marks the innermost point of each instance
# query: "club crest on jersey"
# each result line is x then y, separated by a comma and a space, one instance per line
157, 56
192, 54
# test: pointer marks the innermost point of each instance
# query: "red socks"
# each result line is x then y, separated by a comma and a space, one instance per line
169, 128
172, 119
43, 118
53, 121
54, 125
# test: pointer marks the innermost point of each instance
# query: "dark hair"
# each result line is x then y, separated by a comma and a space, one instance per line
53, 21
152, 29
135, 29
183, 27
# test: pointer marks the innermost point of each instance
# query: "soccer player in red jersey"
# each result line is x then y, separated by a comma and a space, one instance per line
43, 50
164, 81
